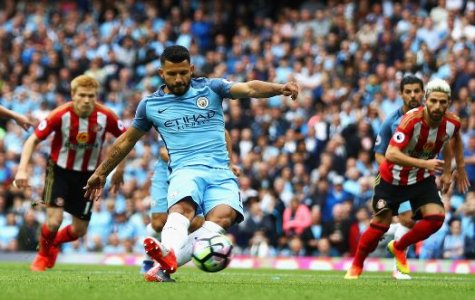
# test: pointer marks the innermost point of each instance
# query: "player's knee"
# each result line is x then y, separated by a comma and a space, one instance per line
406, 219
196, 223
54, 224
79, 231
383, 218
186, 207
222, 215
158, 221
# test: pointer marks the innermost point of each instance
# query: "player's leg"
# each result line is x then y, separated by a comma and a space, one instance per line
153, 229
79, 207
368, 242
222, 207
405, 224
433, 216
69, 233
429, 209
54, 218
156, 274
184, 195
383, 207
53, 196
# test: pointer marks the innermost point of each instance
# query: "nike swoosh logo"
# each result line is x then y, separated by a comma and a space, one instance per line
162, 110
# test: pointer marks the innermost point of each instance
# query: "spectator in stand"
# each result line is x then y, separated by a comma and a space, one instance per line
296, 217
469, 157
454, 242
467, 213
312, 234
337, 231
9, 233
28, 232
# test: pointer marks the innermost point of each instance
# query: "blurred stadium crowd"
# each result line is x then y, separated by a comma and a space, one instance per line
307, 166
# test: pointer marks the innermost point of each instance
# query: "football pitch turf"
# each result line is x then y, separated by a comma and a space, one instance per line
68, 281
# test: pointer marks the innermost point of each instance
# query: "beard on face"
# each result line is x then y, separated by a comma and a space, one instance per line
436, 116
179, 89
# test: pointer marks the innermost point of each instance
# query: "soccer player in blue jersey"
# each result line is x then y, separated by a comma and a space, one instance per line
412, 93
188, 114
159, 204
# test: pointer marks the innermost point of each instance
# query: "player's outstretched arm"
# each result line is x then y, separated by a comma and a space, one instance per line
20, 119
119, 149
262, 89
21, 177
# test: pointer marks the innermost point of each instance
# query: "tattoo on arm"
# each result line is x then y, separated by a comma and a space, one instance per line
115, 155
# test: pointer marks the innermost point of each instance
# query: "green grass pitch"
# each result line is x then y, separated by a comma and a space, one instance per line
67, 281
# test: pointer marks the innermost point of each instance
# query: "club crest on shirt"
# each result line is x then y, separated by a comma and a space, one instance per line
202, 102
381, 204
59, 202
82, 137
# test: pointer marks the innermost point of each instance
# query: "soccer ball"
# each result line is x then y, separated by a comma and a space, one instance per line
213, 253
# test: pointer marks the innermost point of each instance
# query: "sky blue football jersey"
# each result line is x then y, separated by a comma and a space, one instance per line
387, 130
191, 125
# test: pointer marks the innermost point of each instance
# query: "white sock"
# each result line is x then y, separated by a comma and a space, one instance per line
400, 231
208, 228
175, 232
151, 232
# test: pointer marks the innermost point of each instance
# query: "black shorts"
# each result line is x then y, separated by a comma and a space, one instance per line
388, 196
64, 189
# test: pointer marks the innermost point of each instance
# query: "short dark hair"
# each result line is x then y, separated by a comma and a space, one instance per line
410, 79
175, 54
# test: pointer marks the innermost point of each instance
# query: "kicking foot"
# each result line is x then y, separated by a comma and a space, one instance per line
166, 258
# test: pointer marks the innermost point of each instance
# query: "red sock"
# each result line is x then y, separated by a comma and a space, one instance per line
368, 242
65, 235
46, 240
421, 230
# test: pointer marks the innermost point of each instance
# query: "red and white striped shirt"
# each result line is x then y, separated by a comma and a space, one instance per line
415, 138
77, 142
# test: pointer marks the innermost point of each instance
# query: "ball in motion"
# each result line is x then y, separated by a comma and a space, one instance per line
213, 253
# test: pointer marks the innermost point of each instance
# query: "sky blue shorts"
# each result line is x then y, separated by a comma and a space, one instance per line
404, 207
208, 187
